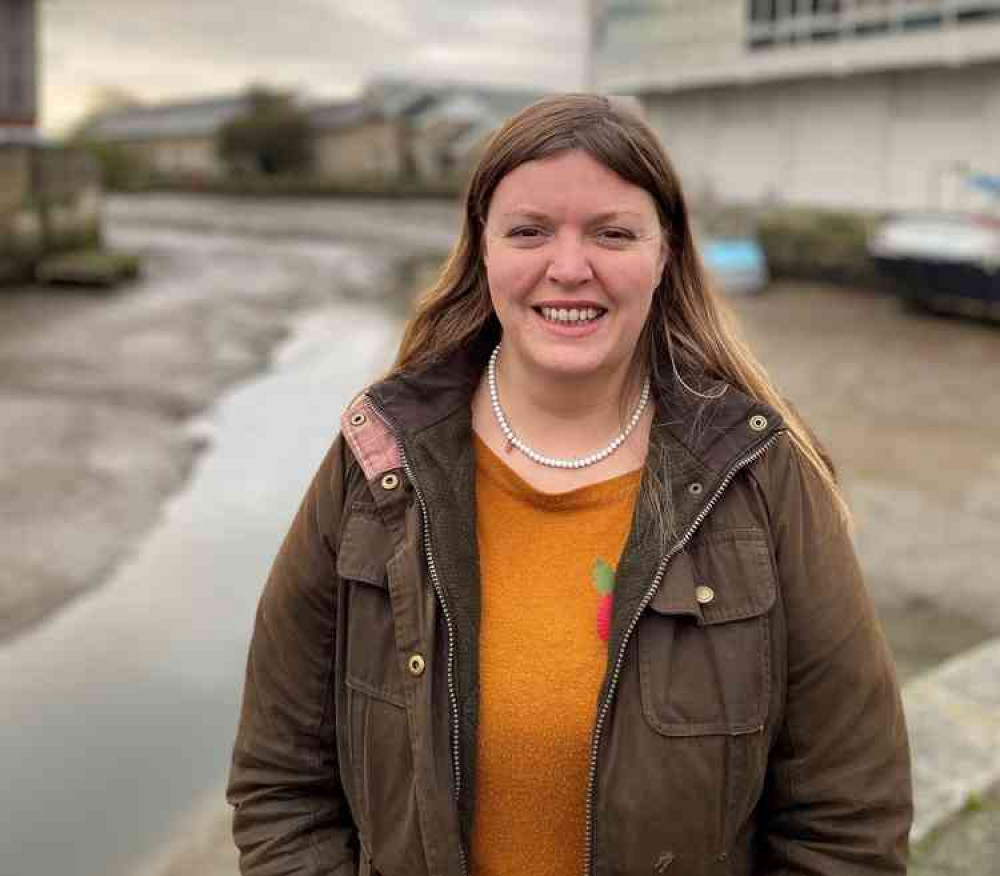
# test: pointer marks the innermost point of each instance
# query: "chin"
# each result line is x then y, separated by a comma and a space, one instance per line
573, 367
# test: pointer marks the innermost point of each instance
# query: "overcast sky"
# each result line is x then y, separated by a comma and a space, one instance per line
163, 49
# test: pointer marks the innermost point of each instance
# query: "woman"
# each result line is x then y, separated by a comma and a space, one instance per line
573, 589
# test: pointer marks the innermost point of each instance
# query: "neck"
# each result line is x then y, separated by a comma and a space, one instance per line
565, 416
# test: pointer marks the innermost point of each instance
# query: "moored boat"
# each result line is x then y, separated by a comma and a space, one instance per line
737, 263
943, 261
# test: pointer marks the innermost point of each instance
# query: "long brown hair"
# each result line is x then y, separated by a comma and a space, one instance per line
690, 330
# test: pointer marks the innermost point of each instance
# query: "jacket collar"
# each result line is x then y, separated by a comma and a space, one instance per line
703, 434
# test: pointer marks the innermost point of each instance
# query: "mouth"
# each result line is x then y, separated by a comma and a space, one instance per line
570, 315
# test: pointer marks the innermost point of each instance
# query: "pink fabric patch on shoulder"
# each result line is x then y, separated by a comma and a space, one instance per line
373, 445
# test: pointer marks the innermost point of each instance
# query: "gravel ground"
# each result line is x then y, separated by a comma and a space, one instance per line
909, 408
969, 846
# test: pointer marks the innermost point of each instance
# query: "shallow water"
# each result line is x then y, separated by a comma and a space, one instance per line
121, 711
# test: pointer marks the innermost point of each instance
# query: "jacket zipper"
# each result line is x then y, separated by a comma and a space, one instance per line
425, 538
588, 861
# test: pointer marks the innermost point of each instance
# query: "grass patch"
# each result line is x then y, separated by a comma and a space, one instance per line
88, 268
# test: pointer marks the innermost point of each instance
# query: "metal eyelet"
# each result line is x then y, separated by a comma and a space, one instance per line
695, 488
758, 423
704, 594
358, 419
416, 665
390, 481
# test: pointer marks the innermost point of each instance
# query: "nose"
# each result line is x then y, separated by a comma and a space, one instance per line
569, 264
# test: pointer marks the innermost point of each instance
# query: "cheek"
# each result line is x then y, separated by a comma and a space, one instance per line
636, 282
509, 278
497, 285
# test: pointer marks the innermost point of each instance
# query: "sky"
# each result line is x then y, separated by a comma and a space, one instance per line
161, 49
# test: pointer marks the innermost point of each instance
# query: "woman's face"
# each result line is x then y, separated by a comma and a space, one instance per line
573, 254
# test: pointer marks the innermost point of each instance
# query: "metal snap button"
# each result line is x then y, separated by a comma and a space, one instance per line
390, 482
704, 594
358, 419
695, 488
416, 665
758, 423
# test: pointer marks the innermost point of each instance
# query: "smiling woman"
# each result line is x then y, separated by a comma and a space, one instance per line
574, 587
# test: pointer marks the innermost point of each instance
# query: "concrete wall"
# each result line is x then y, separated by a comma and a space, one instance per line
880, 141
177, 157
50, 199
664, 38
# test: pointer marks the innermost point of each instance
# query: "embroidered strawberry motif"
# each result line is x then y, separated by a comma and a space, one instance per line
604, 580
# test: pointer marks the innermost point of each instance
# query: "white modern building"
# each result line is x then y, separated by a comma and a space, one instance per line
859, 104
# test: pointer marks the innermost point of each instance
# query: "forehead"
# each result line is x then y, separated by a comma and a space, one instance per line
571, 182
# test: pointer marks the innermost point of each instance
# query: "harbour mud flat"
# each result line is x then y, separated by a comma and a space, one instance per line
96, 393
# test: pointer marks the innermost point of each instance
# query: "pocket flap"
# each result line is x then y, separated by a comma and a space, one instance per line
722, 576
676, 593
365, 549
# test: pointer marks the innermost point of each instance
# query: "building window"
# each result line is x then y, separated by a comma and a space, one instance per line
772, 23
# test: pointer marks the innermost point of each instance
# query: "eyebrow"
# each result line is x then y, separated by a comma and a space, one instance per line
600, 217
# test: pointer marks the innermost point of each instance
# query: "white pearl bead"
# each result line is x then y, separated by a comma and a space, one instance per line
552, 462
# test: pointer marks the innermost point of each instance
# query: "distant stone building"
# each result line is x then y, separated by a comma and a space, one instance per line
448, 135
395, 131
878, 104
171, 140
443, 124
354, 142
18, 70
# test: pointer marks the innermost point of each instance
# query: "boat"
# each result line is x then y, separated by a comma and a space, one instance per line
944, 262
737, 263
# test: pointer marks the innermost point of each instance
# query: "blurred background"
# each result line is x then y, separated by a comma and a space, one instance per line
213, 220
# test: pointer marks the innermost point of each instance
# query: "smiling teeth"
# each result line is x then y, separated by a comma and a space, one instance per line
561, 314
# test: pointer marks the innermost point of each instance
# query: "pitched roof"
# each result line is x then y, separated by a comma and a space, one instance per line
340, 114
178, 119
412, 97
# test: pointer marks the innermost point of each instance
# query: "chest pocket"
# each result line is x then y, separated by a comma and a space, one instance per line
704, 640
371, 657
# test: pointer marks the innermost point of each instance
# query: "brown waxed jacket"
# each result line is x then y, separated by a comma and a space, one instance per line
753, 727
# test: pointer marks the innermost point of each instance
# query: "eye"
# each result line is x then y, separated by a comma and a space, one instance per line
617, 235
527, 236
525, 232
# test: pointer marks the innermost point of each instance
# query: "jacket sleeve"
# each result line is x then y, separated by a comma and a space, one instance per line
291, 816
838, 798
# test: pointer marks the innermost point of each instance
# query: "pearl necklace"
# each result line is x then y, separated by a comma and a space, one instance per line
553, 461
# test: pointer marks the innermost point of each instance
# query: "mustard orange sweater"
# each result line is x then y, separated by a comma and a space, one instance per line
547, 564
